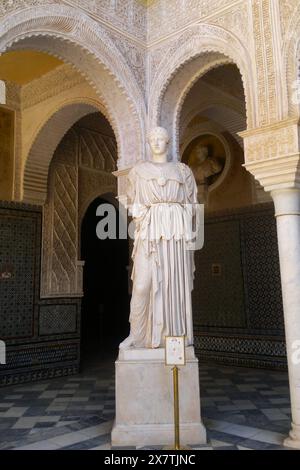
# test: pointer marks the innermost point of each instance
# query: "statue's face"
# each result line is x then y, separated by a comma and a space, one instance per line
201, 153
158, 143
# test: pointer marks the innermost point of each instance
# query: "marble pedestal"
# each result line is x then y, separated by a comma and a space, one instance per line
144, 400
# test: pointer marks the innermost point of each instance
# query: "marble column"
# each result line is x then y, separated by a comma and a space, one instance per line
287, 212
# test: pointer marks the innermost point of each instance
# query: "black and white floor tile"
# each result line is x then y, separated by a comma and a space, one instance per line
241, 408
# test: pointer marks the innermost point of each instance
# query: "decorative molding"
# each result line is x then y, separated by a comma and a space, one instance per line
97, 151
291, 57
185, 64
272, 154
13, 95
79, 172
236, 19
178, 89
42, 150
268, 61
177, 14
53, 83
11, 6
136, 57
81, 41
277, 173
93, 184
127, 16
280, 139
288, 14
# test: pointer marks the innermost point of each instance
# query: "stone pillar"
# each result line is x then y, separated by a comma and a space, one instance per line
272, 155
287, 213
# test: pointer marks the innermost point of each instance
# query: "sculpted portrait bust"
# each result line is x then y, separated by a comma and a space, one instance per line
162, 197
205, 166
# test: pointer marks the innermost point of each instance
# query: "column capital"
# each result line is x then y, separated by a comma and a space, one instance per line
286, 201
272, 154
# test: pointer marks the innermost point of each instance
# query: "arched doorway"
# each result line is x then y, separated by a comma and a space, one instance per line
105, 304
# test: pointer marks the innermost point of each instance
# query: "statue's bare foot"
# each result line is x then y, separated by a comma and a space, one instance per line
127, 343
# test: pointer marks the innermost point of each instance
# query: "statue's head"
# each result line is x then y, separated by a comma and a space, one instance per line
201, 153
158, 139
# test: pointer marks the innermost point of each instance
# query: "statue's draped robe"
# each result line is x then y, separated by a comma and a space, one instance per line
162, 198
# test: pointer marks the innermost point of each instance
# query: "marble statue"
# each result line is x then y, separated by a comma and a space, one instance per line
162, 199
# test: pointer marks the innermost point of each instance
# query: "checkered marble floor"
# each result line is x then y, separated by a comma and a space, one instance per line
241, 409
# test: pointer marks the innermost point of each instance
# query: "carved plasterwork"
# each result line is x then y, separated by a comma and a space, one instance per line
279, 173
272, 154
175, 14
267, 37
76, 178
8, 6
136, 57
210, 46
97, 159
79, 40
13, 100
13, 95
53, 83
288, 13
236, 19
291, 58
177, 91
60, 227
278, 140
129, 16
92, 185
42, 150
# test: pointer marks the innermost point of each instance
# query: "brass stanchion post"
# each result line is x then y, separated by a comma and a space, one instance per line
176, 408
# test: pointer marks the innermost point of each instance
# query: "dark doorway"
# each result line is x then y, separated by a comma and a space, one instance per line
105, 305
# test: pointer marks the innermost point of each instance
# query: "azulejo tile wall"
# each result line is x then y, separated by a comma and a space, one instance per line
42, 336
237, 301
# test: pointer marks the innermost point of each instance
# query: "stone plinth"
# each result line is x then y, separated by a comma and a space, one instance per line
144, 400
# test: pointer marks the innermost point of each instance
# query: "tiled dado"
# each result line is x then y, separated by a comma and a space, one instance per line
237, 308
40, 361
20, 241
242, 350
42, 336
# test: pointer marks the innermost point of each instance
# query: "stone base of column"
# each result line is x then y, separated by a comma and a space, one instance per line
293, 440
144, 400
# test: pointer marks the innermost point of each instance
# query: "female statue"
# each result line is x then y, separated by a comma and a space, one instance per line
162, 200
